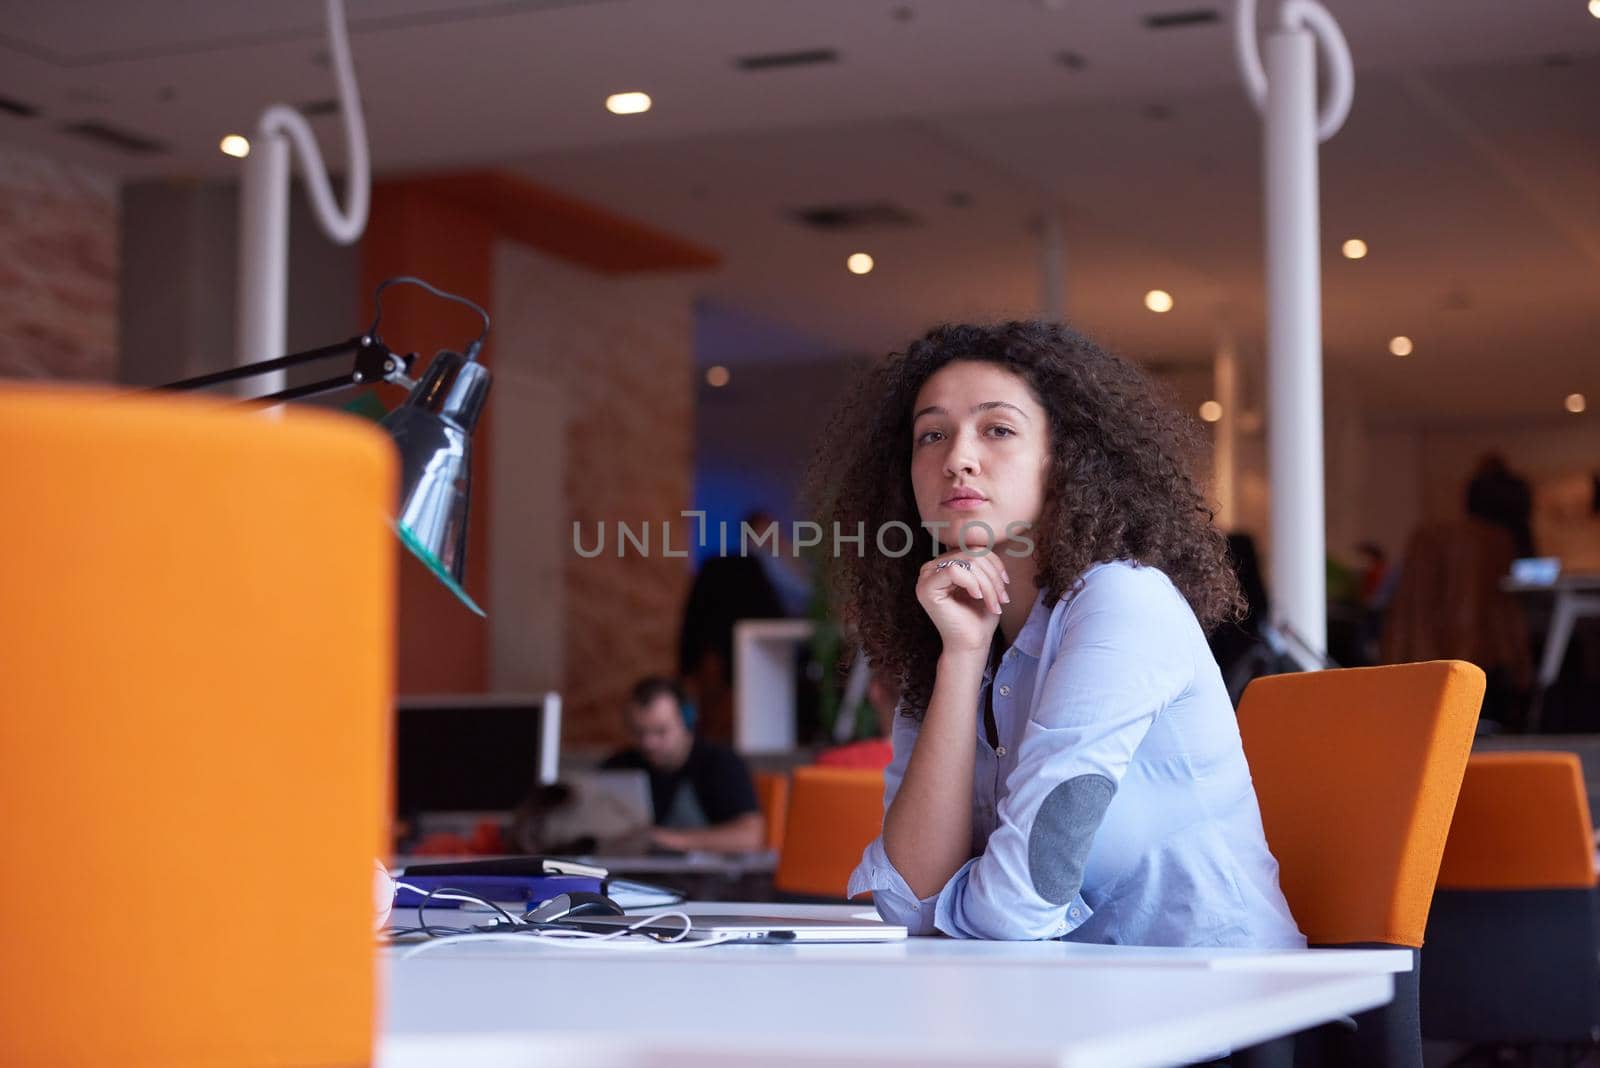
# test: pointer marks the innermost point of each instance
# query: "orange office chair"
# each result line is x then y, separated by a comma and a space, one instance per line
194, 725
1512, 933
833, 814
772, 792
1357, 773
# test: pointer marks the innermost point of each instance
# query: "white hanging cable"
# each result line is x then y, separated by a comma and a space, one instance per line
1293, 14
344, 227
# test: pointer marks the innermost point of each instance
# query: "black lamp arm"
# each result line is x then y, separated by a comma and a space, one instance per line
375, 362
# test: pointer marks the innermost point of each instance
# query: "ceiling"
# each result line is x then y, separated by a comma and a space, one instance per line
1470, 162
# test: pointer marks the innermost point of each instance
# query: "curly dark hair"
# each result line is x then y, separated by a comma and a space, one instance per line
1120, 486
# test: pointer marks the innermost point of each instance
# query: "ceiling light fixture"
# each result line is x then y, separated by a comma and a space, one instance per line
717, 377
859, 263
1211, 411
628, 103
1575, 401
1354, 249
234, 145
1400, 346
1158, 301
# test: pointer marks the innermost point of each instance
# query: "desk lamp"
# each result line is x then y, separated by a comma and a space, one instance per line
432, 430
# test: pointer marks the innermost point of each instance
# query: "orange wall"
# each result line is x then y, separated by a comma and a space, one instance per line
441, 644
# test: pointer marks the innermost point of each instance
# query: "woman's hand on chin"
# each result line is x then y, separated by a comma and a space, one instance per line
963, 595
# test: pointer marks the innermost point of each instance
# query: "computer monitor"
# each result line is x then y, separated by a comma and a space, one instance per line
473, 753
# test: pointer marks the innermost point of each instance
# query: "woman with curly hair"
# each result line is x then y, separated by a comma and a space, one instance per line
1066, 760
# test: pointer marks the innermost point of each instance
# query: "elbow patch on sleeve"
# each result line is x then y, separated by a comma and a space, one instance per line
1062, 832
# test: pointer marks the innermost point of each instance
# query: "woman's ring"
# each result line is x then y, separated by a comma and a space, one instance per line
942, 564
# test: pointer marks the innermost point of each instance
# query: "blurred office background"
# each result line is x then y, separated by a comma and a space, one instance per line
674, 306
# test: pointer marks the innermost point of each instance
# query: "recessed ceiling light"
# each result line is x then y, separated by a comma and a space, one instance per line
628, 103
859, 263
1354, 249
1594, 8
1211, 411
235, 146
717, 376
1575, 401
1158, 301
1400, 346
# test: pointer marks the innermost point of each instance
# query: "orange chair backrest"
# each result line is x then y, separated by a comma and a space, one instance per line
1357, 772
833, 814
194, 727
772, 792
1521, 823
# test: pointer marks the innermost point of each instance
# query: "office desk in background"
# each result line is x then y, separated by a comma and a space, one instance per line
1575, 597
922, 1001
700, 876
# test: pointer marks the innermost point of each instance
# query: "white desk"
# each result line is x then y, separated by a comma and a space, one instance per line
923, 1001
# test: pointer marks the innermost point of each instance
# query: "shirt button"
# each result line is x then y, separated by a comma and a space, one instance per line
1005, 691
1000, 751
1074, 912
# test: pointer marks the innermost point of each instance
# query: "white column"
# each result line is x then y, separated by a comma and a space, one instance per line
263, 293
1224, 453
1294, 337
264, 207
1052, 268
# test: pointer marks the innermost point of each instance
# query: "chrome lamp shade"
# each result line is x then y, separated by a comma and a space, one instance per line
433, 431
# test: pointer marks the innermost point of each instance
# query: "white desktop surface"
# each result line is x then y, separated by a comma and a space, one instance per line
922, 1001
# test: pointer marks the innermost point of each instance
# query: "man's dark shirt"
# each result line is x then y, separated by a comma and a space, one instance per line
714, 783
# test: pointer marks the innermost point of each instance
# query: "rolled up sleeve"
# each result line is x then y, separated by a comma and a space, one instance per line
1117, 666
894, 900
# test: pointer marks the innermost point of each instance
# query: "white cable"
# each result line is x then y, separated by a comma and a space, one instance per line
601, 944
1325, 28
343, 227
1248, 52
443, 895
586, 939
1341, 71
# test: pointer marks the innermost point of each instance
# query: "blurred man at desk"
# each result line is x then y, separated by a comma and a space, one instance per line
702, 793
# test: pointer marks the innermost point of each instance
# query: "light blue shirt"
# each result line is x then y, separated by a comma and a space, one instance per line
1117, 806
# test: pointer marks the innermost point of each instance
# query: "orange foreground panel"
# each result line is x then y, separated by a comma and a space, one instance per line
197, 646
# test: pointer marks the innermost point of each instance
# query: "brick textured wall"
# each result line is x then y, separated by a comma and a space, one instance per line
611, 359
58, 270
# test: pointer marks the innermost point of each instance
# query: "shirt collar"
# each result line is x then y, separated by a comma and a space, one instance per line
1030, 639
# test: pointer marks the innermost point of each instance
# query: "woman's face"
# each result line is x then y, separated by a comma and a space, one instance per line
979, 452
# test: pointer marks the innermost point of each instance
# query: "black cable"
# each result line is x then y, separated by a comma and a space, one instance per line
422, 921
406, 279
